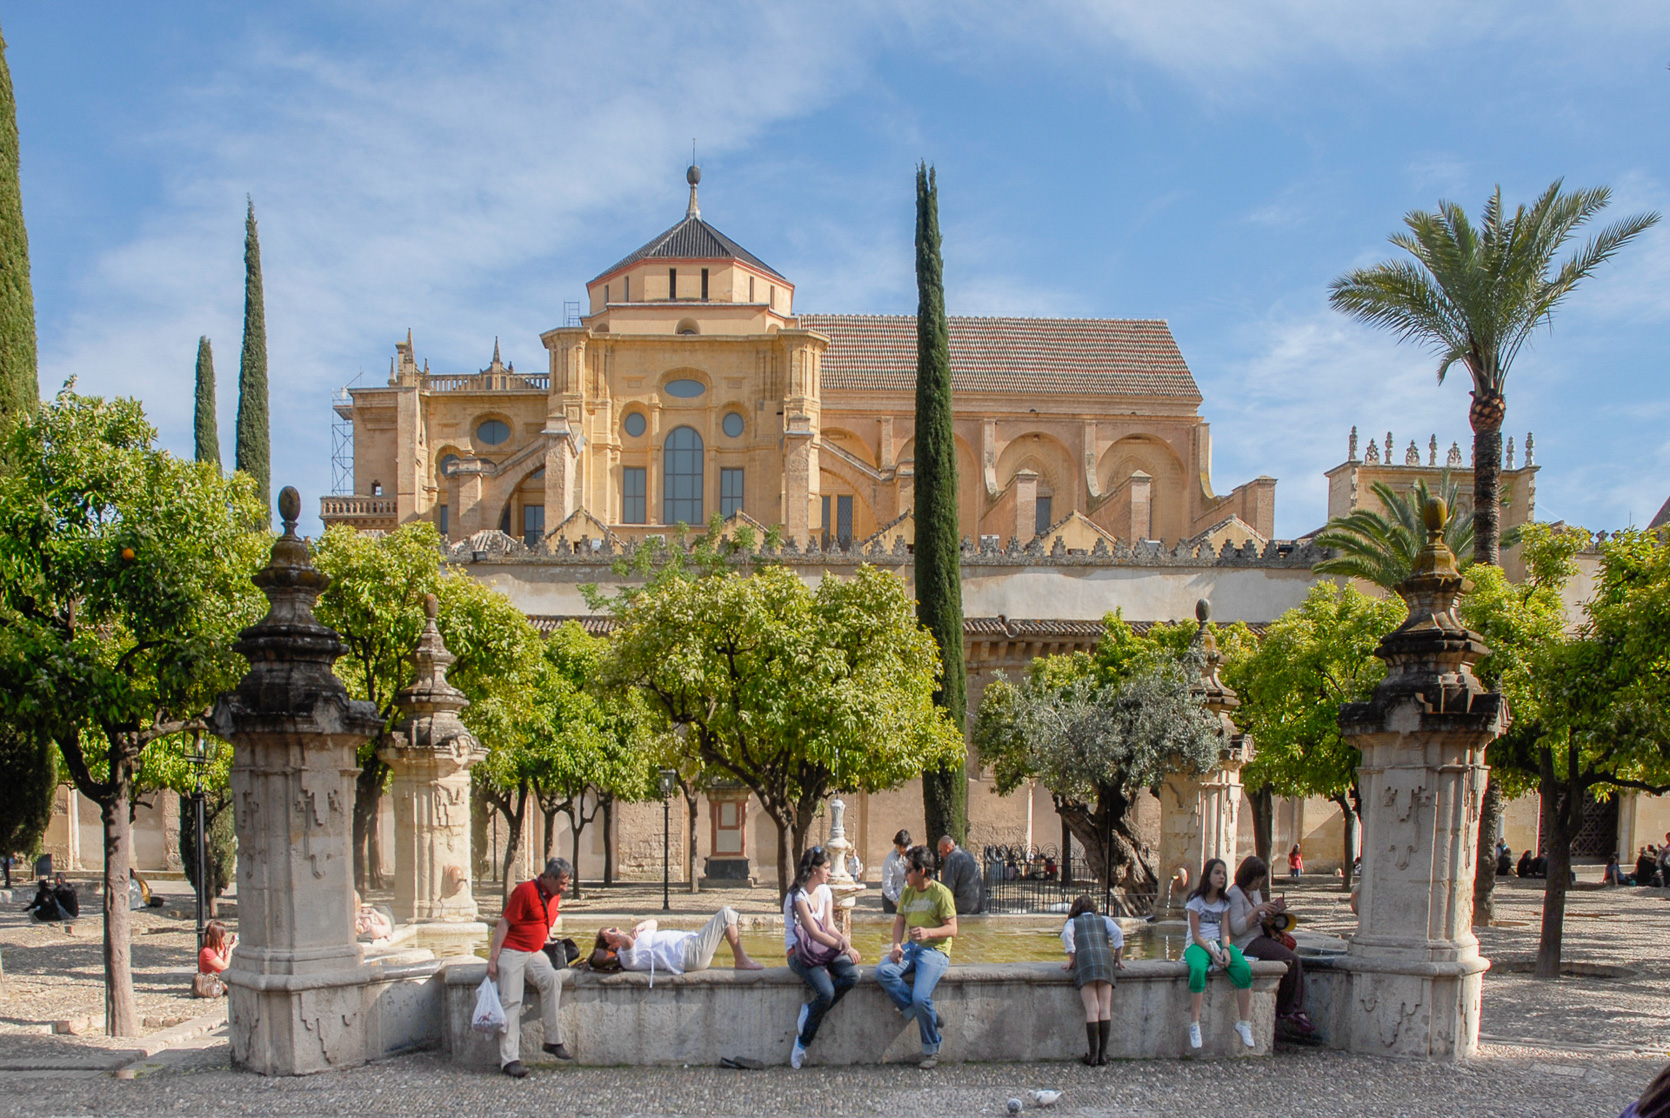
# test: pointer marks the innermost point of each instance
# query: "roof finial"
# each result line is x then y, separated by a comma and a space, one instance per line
496, 361
693, 176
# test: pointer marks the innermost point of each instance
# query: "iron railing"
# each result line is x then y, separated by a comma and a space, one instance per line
1034, 879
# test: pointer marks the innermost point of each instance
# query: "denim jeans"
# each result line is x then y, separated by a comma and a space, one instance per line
829, 985
916, 998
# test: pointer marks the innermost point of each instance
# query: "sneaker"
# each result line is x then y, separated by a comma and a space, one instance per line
515, 1070
800, 1022
929, 1063
1194, 1034
797, 1055
1300, 1022
559, 1051
1245, 1029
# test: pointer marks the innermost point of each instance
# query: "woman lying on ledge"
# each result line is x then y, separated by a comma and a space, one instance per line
647, 948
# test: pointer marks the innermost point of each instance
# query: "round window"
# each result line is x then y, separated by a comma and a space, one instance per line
732, 424
449, 463
492, 432
635, 424
684, 389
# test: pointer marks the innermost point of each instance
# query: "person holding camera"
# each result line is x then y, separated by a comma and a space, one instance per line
1259, 928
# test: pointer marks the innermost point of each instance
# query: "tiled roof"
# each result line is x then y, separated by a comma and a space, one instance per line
1022, 628
1663, 516
692, 239
1102, 356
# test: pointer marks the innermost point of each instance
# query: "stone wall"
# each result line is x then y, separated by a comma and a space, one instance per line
1008, 1011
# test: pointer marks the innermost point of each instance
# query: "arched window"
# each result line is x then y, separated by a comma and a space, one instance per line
682, 477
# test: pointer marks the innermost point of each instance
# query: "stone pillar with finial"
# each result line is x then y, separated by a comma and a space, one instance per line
1199, 815
1416, 973
296, 997
431, 754
841, 882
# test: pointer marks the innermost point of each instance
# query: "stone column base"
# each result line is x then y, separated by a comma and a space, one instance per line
297, 1024
1405, 1010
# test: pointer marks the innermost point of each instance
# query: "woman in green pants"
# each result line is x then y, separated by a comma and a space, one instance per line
1209, 946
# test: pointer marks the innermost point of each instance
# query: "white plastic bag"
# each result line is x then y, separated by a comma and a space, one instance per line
489, 1014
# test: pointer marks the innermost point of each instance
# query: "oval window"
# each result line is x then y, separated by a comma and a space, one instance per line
732, 424
449, 464
493, 432
635, 424
684, 388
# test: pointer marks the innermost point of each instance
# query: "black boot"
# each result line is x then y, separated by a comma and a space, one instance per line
1090, 1043
1103, 1028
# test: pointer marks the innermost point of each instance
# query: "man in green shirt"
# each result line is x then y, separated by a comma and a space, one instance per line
922, 935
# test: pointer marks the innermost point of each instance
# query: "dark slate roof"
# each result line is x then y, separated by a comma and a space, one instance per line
692, 239
1101, 356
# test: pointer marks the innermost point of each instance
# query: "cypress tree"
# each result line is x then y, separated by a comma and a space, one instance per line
938, 552
254, 452
203, 425
19, 390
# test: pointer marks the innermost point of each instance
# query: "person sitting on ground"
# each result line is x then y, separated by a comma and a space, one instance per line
1539, 866
1209, 946
1504, 861
647, 948
68, 899
1295, 863
1249, 914
960, 873
1644, 866
212, 958
45, 907
516, 956
370, 923
893, 873
1524, 867
1094, 945
922, 935
1612, 875
823, 958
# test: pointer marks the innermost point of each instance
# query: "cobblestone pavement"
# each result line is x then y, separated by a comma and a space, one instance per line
1578, 1046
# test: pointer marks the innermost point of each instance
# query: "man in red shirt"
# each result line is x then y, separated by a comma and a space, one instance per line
517, 957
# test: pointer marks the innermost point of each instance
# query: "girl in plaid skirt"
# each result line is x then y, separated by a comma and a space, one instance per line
1094, 945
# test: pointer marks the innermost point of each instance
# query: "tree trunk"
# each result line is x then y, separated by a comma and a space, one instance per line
609, 841
480, 854
692, 806
121, 1013
1484, 873
1262, 801
1486, 416
576, 827
513, 838
1134, 868
785, 867
1349, 818
1565, 817
368, 796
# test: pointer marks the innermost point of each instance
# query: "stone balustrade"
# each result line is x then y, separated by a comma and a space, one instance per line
994, 1011
362, 512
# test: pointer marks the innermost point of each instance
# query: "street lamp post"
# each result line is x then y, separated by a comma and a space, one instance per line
669, 781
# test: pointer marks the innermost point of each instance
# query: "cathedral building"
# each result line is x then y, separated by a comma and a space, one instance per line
692, 387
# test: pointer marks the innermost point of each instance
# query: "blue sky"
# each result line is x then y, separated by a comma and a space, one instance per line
463, 169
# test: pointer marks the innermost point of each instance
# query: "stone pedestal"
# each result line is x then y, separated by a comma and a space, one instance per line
841, 882
1416, 973
431, 754
1199, 814
296, 980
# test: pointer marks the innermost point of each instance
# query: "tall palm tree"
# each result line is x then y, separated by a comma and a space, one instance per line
1381, 548
1475, 295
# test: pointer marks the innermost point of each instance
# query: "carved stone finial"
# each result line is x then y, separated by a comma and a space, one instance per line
1388, 448
1452, 460
1432, 451
1351, 449
1412, 456
431, 607
1510, 452
1530, 449
1203, 611
289, 508
1373, 451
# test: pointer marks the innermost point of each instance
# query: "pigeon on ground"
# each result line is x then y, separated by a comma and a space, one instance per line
1045, 1097
1014, 1106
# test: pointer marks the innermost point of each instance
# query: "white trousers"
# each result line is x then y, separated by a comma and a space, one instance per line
517, 969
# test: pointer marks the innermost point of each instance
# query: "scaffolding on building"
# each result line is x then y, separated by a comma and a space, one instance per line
571, 312
342, 443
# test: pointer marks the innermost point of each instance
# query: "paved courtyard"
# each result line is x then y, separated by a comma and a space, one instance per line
1579, 1046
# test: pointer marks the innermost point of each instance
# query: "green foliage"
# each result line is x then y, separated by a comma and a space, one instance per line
793, 692
28, 779
19, 389
254, 449
938, 546
205, 428
1381, 548
1313, 659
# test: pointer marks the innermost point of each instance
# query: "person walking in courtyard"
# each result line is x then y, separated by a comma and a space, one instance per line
1094, 945
1210, 946
647, 948
893, 873
961, 874
1295, 863
1249, 914
823, 958
516, 958
922, 935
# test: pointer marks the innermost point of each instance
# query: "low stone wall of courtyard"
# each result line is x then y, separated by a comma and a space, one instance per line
1007, 1011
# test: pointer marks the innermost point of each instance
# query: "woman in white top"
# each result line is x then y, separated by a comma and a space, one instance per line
1209, 946
1248, 914
823, 958
893, 873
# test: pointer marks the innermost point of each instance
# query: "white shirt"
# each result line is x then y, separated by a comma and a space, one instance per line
657, 950
893, 875
819, 900
1211, 916
1116, 935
